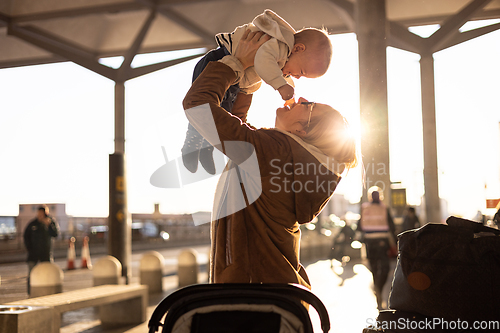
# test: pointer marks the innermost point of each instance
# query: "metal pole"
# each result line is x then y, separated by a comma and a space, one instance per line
119, 222
119, 117
432, 202
371, 25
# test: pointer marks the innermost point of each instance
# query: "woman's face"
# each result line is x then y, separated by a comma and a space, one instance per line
294, 119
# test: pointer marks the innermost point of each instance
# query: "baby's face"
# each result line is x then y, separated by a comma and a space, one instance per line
302, 64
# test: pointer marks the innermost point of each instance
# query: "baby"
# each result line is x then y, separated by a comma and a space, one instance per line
289, 53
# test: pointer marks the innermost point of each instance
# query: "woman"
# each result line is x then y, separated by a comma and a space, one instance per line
276, 179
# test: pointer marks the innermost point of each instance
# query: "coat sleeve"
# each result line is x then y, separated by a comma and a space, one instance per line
392, 227
202, 108
210, 86
27, 238
241, 106
53, 228
359, 226
266, 64
226, 132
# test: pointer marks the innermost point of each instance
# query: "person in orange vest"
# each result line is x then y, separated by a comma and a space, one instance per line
378, 228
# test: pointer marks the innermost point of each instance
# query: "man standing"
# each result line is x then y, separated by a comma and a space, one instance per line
411, 220
378, 228
38, 239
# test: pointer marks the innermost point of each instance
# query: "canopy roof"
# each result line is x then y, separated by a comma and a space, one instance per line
45, 31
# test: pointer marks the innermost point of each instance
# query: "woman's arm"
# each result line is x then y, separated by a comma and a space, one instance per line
202, 102
214, 123
220, 78
211, 87
241, 106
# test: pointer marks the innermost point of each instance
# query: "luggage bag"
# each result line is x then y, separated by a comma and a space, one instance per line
448, 271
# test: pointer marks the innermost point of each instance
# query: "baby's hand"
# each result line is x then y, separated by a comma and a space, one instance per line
286, 92
290, 102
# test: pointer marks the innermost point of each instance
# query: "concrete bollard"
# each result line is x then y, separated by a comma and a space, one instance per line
187, 268
24, 319
46, 278
107, 270
151, 271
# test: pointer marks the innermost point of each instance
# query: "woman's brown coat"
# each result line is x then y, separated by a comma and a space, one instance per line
260, 241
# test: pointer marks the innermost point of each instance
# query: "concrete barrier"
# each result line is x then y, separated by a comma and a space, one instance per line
25, 319
151, 271
187, 268
46, 278
118, 305
107, 270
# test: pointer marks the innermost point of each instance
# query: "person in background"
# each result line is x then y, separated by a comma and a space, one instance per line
496, 217
411, 220
340, 243
38, 239
378, 228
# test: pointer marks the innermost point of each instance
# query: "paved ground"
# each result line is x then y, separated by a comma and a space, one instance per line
346, 292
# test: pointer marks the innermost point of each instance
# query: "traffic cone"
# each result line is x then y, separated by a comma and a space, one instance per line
86, 263
71, 254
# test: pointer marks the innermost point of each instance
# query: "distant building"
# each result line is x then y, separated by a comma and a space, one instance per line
175, 228
7, 227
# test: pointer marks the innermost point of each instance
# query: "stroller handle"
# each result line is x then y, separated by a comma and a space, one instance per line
294, 290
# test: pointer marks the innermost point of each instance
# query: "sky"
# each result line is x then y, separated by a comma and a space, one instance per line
57, 129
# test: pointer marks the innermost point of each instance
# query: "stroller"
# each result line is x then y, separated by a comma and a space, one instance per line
238, 308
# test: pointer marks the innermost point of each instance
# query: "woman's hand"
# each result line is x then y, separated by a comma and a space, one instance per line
248, 46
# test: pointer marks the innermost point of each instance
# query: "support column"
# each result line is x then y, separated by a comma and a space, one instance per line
119, 117
432, 202
119, 222
371, 25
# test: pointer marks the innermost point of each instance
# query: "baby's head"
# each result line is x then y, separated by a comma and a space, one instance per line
311, 54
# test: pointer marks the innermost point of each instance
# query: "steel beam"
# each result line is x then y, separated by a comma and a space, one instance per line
451, 25
400, 37
139, 71
468, 35
125, 70
55, 45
